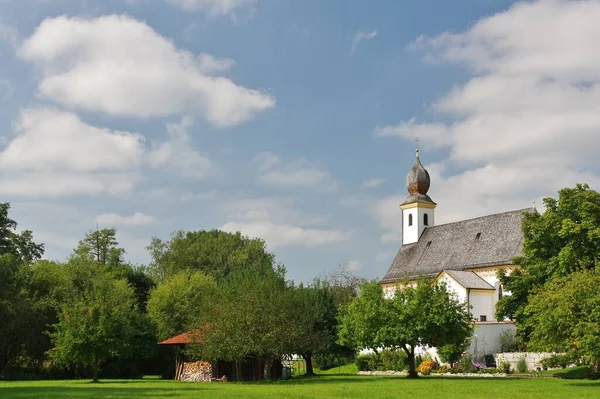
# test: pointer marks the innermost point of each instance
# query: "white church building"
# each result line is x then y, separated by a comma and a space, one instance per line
466, 255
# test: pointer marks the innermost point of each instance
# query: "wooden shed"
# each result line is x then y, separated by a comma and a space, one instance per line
253, 368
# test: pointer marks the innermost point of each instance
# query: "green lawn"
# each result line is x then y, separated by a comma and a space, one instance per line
329, 386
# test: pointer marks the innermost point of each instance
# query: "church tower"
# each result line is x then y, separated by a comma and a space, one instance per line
417, 209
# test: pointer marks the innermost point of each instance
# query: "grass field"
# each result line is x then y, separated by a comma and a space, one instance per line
327, 386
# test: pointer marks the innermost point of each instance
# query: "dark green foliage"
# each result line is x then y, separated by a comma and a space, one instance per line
216, 253
367, 362
563, 240
450, 353
558, 360
565, 317
396, 360
421, 315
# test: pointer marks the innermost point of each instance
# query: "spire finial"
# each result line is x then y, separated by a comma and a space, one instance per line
533, 204
417, 141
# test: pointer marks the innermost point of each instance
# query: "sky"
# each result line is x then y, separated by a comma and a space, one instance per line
293, 121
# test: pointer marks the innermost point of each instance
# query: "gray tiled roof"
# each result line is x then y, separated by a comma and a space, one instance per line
484, 241
469, 280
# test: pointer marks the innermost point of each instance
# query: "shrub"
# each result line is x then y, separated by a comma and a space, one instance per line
505, 366
554, 361
450, 353
368, 362
396, 360
426, 366
465, 364
508, 341
443, 369
522, 365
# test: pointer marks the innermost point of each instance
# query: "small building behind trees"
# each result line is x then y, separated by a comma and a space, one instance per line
253, 368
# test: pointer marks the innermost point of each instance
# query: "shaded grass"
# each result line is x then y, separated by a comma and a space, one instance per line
323, 386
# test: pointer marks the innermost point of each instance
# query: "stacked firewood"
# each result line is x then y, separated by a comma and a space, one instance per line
196, 371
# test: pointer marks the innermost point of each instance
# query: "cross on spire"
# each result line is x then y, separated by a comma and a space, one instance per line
417, 141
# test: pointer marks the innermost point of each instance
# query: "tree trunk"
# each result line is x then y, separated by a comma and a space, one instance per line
96, 367
309, 366
412, 370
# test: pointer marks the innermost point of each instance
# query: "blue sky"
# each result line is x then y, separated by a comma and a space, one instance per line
289, 120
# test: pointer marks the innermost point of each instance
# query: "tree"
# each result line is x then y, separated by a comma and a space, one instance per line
565, 316
421, 315
16, 311
101, 246
311, 320
180, 300
216, 253
19, 244
450, 353
563, 240
96, 323
363, 320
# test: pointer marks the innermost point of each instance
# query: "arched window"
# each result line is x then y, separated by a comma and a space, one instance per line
426, 219
410, 219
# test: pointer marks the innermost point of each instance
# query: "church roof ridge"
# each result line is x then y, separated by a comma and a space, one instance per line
482, 217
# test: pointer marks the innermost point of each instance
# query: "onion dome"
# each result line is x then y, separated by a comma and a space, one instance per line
417, 183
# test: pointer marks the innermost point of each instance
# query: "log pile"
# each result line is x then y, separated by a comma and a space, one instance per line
196, 371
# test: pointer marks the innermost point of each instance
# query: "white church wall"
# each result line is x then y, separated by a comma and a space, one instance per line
482, 304
486, 338
454, 287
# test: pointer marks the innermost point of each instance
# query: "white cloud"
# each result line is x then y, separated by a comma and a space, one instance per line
48, 139
435, 134
177, 154
359, 37
525, 125
280, 222
372, 183
353, 265
210, 65
122, 67
114, 219
211, 7
275, 209
54, 153
267, 160
277, 235
296, 174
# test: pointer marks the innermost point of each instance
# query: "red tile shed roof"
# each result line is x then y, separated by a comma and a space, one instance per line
185, 338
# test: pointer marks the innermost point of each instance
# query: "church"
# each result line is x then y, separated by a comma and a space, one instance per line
466, 255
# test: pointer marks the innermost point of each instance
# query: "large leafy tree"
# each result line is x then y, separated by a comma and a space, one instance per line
19, 244
18, 318
565, 316
362, 321
213, 252
563, 240
311, 314
95, 323
180, 300
424, 314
